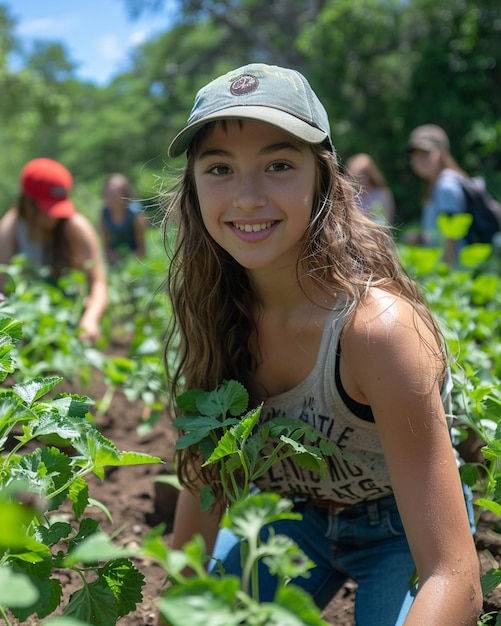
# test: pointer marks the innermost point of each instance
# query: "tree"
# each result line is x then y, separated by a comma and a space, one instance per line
384, 66
37, 93
380, 66
456, 79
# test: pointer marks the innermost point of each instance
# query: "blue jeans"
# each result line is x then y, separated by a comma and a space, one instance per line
365, 542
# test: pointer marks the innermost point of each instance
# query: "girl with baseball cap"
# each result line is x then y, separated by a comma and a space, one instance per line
46, 227
428, 148
279, 281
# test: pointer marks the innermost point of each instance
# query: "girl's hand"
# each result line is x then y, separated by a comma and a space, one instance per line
89, 331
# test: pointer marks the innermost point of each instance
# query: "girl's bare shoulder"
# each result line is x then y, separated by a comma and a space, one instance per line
9, 220
380, 311
79, 226
8, 238
386, 319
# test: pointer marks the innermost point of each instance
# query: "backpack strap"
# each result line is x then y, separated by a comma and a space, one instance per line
486, 211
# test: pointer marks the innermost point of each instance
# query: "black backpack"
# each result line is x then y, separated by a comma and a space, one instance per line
485, 209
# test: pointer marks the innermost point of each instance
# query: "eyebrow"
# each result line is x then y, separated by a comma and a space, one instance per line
274, 147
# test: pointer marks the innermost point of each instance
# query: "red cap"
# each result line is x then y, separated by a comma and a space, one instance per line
48, 183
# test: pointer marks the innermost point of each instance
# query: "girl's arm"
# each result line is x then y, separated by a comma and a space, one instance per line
189, 519
392, 362
8, 246
86, 256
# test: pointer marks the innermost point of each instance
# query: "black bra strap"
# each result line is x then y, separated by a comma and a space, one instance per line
363, 411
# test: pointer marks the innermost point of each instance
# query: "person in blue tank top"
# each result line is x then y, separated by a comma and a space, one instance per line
278, 280
123, 223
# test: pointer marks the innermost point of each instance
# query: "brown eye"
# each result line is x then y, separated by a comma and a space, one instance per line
279, 167
218, 170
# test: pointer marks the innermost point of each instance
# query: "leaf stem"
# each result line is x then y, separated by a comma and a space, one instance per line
4, 615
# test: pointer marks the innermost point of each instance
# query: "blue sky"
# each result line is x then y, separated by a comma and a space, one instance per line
98, 34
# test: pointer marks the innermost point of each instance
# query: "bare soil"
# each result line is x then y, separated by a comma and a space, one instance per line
138, 504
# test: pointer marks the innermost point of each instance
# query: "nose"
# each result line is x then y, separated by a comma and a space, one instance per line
249, 192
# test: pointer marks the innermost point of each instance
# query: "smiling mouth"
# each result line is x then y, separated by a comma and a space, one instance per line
253, 228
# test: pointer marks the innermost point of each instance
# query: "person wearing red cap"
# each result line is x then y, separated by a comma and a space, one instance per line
46, 227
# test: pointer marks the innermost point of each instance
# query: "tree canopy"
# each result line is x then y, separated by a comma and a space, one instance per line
381, 67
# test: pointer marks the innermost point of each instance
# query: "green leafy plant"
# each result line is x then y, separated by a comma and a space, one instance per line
232, 600
35, 481
134, 318
216, 422
467, 300
232, 437
50, 314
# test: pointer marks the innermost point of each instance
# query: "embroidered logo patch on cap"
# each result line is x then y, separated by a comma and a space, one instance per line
247, 83
57, 191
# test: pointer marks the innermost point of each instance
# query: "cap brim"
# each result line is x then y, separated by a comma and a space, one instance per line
268, 115
420, 144
59, 209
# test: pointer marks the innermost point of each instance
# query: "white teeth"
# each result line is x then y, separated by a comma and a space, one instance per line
250, 228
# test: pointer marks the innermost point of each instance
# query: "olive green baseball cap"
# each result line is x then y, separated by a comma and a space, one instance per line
274, 95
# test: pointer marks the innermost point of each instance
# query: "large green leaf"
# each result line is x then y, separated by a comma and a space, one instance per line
454, 226
203, 602
226, 446
125, 582
293, 606
98, 547
16, 590
230, 397
32, 390
248, 516
49, 598
490, 580
11, 327
50, 535
94, 604
49, 472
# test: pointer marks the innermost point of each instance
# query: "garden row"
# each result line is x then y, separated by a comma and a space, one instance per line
38, 351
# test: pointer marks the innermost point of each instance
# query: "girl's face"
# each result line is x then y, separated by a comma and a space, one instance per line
426, 163
113, 195
360, 170
255, 186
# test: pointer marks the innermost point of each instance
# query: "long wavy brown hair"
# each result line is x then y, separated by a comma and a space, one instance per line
213, 325
447, 161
